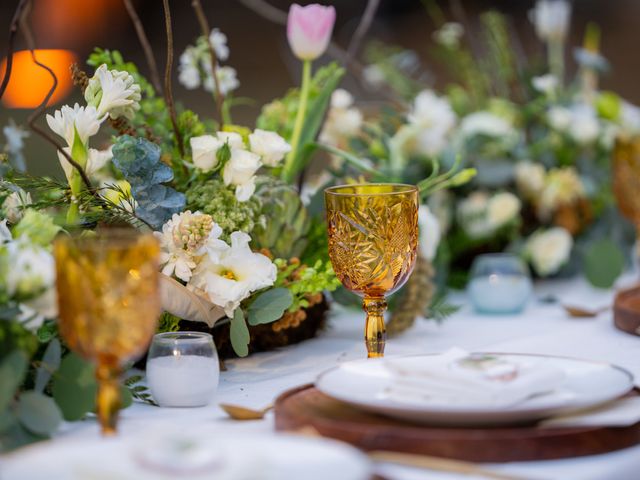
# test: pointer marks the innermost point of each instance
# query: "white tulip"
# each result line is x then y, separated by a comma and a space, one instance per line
204, 151
233, 276
83, 119
551, 19
271, 147
430, 232
549, 250
240, 171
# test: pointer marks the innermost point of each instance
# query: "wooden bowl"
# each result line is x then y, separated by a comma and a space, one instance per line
626, 310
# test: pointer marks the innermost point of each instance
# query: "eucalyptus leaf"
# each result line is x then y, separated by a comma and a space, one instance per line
603, 263
17, 436
38, 413
269, 306
50, 363
74, 387
239, 334
139, 161
12, 370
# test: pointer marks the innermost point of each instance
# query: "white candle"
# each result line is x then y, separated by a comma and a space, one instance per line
183, 380
500, 293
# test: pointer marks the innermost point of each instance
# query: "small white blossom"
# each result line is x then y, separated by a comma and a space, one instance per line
233, 276
584, 127
83, 119
227, 79
546, 84
486, 123
218, 41
430, 232
189, 73
343, 120
14, 205
271, 147
373, 75
449, 34
204, 151
240, 171
559, 118
549, 250
113, 92
551, 19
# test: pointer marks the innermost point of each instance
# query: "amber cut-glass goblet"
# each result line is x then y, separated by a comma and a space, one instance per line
373, 238
109, 304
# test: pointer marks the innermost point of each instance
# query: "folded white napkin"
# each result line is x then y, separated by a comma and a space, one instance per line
457, 377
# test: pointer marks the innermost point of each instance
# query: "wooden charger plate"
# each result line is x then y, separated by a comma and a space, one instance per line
305, 407
626, 310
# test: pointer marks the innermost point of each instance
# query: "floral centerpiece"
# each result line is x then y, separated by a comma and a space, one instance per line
541, 145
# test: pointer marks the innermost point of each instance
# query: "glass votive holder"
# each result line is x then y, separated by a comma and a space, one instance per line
500, 283
183, 369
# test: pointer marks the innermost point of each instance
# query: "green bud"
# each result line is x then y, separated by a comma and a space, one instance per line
462, 177
609, 105
223, 153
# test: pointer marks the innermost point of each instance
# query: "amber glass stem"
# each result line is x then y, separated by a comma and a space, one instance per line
108, 397
375, 335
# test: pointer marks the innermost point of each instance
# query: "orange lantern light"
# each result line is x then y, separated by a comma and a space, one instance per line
29, 83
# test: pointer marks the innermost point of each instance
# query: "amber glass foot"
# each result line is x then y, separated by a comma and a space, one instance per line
375, 335
108, 398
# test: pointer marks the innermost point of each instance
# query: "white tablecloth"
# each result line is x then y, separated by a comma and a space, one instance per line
542, 328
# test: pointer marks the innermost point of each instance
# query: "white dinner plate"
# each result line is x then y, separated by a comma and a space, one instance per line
365, 384
214, 454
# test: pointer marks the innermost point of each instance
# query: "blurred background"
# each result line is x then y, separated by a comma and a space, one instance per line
260, 54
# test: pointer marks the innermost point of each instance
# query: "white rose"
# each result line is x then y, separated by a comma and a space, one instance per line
502, 208
204, 150
430, 232
530, 178
232, 138
269, 145
240, 171
548, 251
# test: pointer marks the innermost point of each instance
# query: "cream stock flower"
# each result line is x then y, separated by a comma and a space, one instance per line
183, 238
83, 119
269, 145
549, 250
233, 276
240, 171
113, 92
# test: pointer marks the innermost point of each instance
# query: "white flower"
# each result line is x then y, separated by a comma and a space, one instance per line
227, 78
240, 171
232, 138
432, 119
204, 150
185, 237
235, 275
546, 84
31, 269
551, 19
530, 178
269, 145
5, 233
96, 160
373, 75
13, 206
485, 123
584, 127
189, 75
629, 120
559, 118
218, 41
562, 186
430, 232
472, 215
549, 250
503, 207
15, 136
113, 92
84, 119
343, 120
449, 34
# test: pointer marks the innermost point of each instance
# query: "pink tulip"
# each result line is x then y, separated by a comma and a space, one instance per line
309, 29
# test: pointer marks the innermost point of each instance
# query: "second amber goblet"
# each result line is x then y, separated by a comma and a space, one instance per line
373, 238
108, 298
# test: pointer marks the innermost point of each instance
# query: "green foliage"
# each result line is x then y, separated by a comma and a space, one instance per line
284, 233
239, 334
13, 336
397, 68
12, 371
74, 387
168, 323
213, 197
37, 227
603, 263
440, 309
269, 306
139, 161
304, 280
137, 390
48, 365
38, 413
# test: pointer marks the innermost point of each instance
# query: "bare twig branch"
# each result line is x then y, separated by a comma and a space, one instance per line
205, 29
13, 30
168, 94
31, 121
146, 46
266, 10
363, 27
